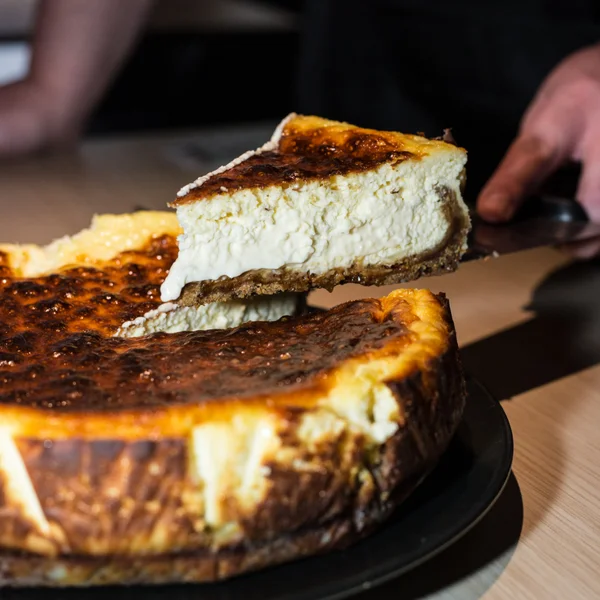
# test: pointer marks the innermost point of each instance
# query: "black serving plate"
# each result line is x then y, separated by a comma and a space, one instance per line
462, 488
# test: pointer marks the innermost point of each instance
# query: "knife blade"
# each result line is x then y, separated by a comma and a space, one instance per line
544, 220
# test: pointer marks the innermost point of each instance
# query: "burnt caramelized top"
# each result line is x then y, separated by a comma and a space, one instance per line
310, 148
52, 356
81, 299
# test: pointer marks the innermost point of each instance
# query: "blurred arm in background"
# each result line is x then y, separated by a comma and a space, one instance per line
78, 47
561, 124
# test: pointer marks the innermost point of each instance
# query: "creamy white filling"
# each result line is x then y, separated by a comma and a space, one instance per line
239, 473
233, 472
376, 217
17, 486
172, 318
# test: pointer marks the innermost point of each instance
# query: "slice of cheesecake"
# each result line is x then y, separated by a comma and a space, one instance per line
106, 278
322, 203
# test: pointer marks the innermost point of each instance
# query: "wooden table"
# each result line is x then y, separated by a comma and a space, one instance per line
529, 327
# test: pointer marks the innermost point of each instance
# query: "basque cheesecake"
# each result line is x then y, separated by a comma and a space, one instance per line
322, 203
196, 456
169, 412
108, 277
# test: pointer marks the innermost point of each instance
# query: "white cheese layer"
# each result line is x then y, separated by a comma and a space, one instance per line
238, 475
375, 217
172, 318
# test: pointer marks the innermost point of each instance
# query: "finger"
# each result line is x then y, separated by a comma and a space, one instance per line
583, 250
527, 163
17, 134
588, 191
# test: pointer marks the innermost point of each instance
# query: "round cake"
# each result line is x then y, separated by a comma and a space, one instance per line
198, 455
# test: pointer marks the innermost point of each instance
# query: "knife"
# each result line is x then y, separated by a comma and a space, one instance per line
544, 220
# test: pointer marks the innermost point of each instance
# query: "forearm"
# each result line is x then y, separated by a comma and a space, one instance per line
78, 47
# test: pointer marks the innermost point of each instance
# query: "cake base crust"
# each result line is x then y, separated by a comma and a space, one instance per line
27, 570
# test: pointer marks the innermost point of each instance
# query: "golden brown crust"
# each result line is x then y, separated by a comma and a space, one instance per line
203, 367
312, 148
173, 380
74, 299
108, 236
93, 281
265, 282
432, 402
20, 569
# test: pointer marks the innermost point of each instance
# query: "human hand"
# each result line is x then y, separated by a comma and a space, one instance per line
77, 49
561, 124
32, 120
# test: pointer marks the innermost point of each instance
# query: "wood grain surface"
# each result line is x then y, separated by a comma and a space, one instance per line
529, 327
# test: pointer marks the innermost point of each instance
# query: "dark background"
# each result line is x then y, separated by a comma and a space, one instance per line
194, 78
412, 66
406, 65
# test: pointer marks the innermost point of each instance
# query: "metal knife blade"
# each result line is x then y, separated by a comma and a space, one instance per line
544, 220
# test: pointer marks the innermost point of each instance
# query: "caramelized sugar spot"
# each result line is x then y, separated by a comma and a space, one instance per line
306, 154
57, 353
84, 299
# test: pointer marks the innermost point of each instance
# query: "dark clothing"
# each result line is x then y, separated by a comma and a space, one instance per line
423, 65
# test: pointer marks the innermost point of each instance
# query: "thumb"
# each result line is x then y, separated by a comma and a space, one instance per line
529, 160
